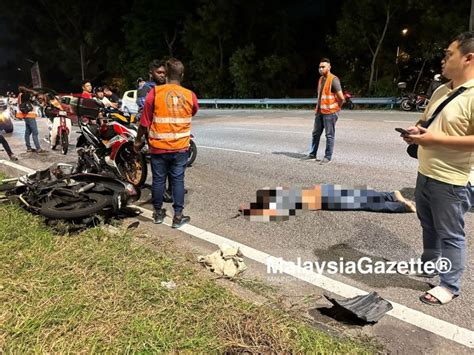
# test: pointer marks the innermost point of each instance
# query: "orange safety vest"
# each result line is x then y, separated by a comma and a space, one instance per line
21, 115
328, 99
171, 126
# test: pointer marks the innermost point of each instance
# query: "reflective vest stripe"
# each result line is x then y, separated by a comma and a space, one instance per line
171, 120
172, 136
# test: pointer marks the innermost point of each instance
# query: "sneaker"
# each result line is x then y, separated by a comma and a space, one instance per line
30, 150
309, 157
159, 216
179, 221
41, 151
325, 161
13, 158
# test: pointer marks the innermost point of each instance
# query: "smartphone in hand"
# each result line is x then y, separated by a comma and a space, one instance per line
402, 131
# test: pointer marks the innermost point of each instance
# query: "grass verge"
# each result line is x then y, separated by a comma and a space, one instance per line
98, 292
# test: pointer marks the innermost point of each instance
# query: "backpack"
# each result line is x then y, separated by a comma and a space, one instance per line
26, 107
25, 104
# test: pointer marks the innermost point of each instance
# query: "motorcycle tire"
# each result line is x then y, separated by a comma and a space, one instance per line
133, 167
406, 105
64, 143
67, 208
420, 108
192, 153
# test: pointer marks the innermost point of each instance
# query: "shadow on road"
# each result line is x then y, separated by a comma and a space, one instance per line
291, 154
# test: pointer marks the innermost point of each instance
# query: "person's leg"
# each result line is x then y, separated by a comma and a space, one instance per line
6, 146
159, 169
177, 170
316, 134
431, 240
382, 202
27, 133
329, 122
449, 203
34, 132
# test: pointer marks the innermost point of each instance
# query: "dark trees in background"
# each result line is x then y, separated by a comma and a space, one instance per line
231, 48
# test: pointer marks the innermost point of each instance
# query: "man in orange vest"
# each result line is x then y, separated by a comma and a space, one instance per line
167, 116
26, 112
330, 100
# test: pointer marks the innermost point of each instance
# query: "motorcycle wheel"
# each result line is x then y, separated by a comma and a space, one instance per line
67, 207
405, 105
64, 143
420, 108
133, 167
192, 153
350, 105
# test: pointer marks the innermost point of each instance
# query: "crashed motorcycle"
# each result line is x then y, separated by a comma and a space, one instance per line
58, 194
107, 146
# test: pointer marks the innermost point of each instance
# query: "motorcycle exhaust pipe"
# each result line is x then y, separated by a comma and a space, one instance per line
86, 188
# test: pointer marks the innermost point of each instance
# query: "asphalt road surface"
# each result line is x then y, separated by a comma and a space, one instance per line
241, 151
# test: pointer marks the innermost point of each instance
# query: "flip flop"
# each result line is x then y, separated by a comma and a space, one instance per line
441, 295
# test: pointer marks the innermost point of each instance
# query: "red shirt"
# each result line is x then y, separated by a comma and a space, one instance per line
86, 95
147, 118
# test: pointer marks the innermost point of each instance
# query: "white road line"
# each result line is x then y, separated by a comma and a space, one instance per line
229, 150
255, 116
17, 166
424, 321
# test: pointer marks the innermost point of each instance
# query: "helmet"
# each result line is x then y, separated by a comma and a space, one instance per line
437, 77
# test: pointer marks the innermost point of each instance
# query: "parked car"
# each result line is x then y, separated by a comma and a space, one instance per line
129, 101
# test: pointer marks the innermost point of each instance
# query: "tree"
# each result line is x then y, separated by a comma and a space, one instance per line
361, 31
69, 41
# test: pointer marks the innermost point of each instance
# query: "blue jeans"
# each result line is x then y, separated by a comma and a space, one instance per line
31, 128
336, 198
441, 208
328, 124
174, 166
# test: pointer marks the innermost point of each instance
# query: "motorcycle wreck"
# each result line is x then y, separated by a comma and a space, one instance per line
82, 198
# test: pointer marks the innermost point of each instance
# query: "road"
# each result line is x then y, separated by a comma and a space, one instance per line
241, 151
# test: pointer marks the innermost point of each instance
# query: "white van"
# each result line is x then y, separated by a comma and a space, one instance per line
129, 101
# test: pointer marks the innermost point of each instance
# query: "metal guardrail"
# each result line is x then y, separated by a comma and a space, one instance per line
311, 101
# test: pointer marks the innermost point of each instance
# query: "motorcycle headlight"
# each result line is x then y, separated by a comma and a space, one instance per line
131, 191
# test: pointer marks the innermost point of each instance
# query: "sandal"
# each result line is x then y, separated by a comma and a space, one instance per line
439, 296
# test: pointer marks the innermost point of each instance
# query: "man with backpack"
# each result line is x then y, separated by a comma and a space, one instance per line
26, 112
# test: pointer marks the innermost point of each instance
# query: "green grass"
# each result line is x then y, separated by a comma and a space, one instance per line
97, 292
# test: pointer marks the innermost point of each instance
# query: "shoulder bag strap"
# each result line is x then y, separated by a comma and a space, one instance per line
443, 105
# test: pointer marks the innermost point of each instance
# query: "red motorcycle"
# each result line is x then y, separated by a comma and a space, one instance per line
348, 98
107, 145
60, 124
